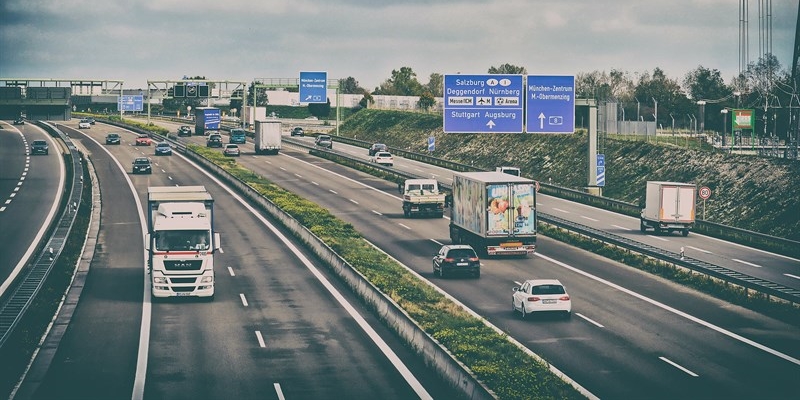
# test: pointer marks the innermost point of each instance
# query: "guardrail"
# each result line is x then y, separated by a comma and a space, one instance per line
757, 240
28, 286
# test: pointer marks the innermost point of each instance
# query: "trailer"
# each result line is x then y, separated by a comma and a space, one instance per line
494, 212
206, 119
268, 137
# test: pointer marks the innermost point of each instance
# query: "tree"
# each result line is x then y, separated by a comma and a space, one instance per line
426, 101
436, 84
350, 85
508, 69
366, 100
705, 84
320, 110
667, 92
402, 83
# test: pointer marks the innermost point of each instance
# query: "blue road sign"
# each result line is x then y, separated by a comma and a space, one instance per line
313, 87
130, 103
601, 170
483, 103
431, 144
601, 160
550, 104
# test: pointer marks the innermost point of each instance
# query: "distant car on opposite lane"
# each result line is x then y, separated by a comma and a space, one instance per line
143, 140
231, 150
39, 147
185, 130
214, 140
19, 121
163, 149
383, 158
84, 124
113, 138
541, 296
324, 141
377, 147
297, 131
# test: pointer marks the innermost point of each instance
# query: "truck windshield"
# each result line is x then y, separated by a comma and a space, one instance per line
182, 240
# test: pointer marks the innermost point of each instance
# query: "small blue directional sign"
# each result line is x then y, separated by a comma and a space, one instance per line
550, 104
601, 170
313, 87
431, 144
483, 103
130, 103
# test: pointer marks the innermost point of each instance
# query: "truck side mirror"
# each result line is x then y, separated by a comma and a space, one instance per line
147, 242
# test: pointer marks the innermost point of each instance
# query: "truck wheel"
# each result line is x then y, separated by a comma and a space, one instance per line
685, 232
657, 230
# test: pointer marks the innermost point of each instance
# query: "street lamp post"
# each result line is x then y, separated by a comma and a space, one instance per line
702, 104
724, 112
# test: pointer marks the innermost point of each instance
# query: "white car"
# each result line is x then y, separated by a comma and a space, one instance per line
383, 158
84, 124
541, 295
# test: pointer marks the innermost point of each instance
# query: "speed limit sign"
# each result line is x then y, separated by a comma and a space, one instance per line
705, 192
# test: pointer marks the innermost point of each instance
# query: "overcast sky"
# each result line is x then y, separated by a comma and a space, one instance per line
239, 40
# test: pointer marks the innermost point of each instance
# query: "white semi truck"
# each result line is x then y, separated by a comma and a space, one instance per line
422, 197
181, 241
669, 207
268, 136
494, 212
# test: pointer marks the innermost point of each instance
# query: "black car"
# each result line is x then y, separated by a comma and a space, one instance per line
456, 259
214, 140
39, 147
324, 141
378, 147
141, 165
19, 121
297, 131
185, 130
91, 120
113, 138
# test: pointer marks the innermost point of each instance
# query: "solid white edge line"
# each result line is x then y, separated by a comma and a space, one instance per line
674, 311
599, 325
62, 170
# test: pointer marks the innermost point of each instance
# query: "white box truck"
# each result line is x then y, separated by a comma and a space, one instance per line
268, 136
422, 197
669, 207
181, 241
494, 212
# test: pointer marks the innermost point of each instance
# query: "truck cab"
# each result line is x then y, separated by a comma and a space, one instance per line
422, 197
509, 170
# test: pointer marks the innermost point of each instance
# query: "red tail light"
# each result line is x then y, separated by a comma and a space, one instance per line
449, 259
534, 298
564, 298
473, 258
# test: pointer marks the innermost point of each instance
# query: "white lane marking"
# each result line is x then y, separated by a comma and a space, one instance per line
590, 219
163, 171
268, 162
404, 226
2, 209
279, 391
673, 310
16, 189
298, 175
284, 169
746, 263
8, 201
12, 195
622, 227
22, 179
590, 320
315, 183
418, 170
230, 271
260, 340
659, 238
353, 201
244, 299
560, 210
376, 212
332, 191
670, 362
437, 242
19, 183
789, 275
396, 362
170, 178
700, 250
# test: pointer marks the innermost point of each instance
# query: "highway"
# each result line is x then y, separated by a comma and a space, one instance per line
633, 335
279, 327
30, 190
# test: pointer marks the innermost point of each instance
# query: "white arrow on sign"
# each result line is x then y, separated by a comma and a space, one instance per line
541, 120
490, 124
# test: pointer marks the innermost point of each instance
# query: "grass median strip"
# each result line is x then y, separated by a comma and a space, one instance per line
509, 372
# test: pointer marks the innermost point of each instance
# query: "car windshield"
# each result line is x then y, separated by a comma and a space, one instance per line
163, 145
548, 289
113, 135
39, 142
182, 240
141, 161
